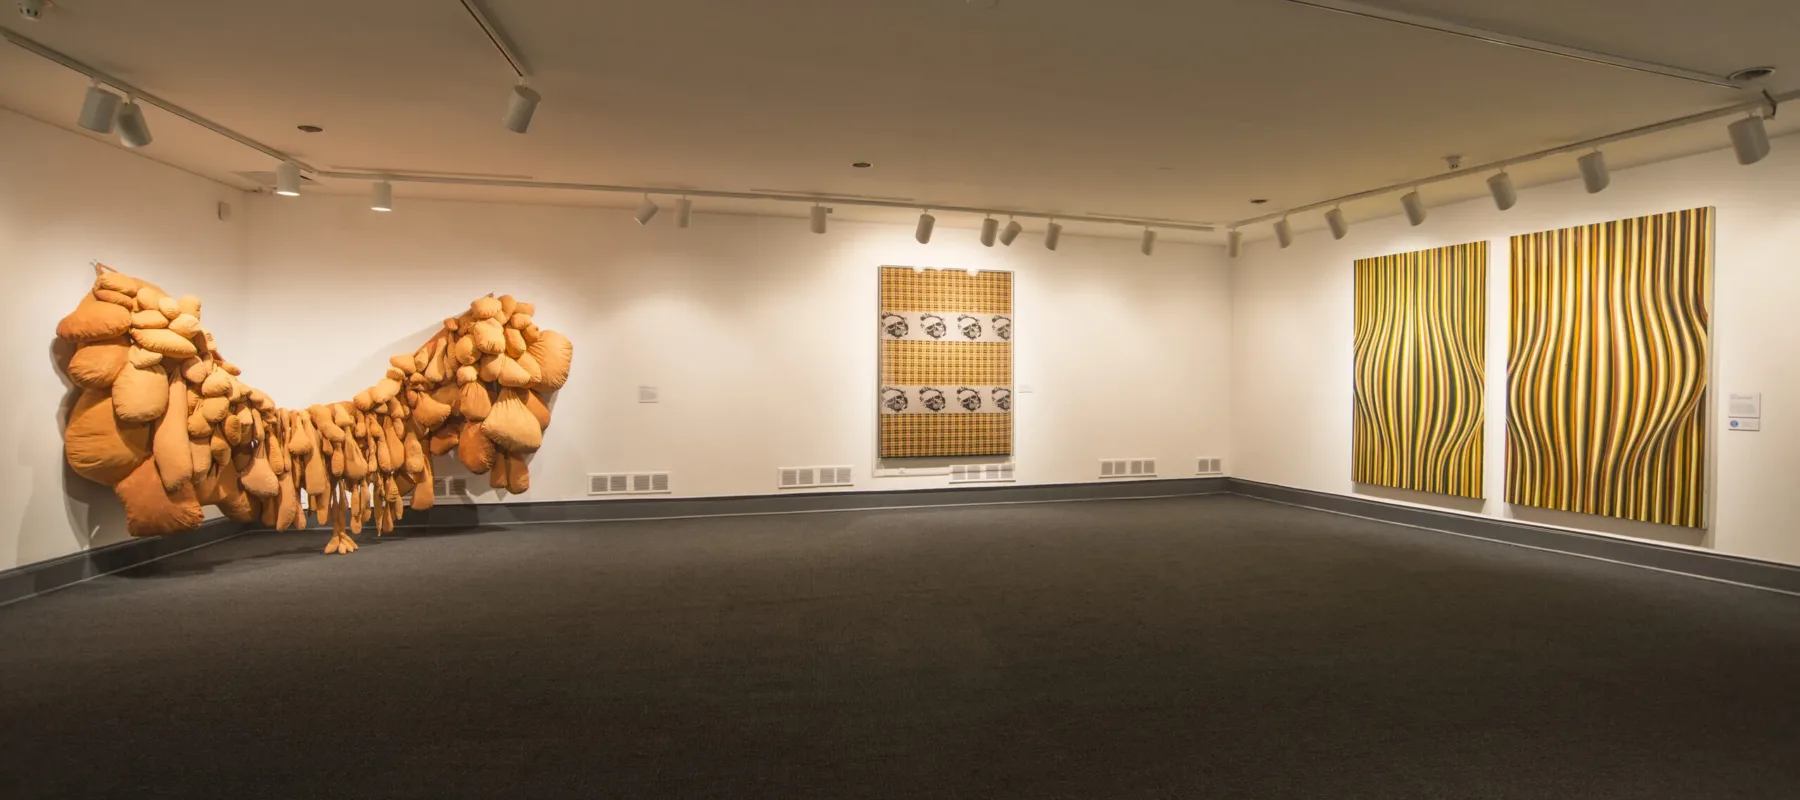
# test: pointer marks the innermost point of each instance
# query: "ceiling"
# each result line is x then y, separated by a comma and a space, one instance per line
1169, 109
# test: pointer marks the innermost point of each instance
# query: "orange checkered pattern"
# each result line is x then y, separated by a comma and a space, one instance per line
945, 363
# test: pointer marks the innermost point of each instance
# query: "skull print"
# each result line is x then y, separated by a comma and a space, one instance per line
1002, 327
895, 325
969, 399
970, 327
893, 399
933, 399
934, 325
1003, 398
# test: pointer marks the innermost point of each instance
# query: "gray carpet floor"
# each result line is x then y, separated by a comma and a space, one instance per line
1179, 648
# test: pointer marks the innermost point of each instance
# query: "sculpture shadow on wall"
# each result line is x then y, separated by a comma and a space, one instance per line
92, 510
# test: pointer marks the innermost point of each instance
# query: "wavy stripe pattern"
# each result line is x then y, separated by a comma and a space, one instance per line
1607, 368
1421, 321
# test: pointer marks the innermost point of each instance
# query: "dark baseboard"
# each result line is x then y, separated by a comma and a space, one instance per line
42, 577
463, 515
1636, 552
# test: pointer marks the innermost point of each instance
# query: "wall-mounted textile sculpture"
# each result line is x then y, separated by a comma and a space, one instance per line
946, 363
1608, 368
1421, 339
165, 420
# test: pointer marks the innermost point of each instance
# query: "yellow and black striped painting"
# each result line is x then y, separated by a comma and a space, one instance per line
1607, 368
1421, 321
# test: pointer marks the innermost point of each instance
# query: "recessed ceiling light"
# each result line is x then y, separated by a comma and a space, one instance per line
1259, 201
862, 165
1751, 74
311, 128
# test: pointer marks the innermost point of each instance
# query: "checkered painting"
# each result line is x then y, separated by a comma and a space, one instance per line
946, 363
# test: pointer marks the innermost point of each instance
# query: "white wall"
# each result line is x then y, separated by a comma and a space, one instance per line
1291, 364
759, 334
66, 200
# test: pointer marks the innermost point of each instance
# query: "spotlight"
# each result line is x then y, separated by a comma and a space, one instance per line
1593, 171
1010, 232
287, 180
1748, 137
647, 211
1234, 243
1501, 187
1339, 226
989, 227
684, 213
1053, 235
1147, 244
1284, 232
381, 196
926, 223
134, 131
520, 105
98, 110
1414, 206
818, 218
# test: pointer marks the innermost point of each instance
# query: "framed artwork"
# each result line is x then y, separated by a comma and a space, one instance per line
1421, 339
1608, 368
945, 363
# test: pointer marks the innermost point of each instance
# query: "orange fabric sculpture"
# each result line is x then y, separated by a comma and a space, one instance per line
164, 419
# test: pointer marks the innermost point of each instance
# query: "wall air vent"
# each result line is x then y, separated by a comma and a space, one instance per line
813, 477
982, 473
628, 483
1128, 468
1210, 466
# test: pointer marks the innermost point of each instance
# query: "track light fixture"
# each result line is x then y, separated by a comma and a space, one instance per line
1501, 187
1593, 172
647, 211
381, 196
819, 213
520, 105
98, 109
1334, 219
287, 179
134, 131
1749, 139
1010, 232
989, 228
1414, 205
1284, 233
926, 223
1147, 243
684, 213
1052, 235
1234, 243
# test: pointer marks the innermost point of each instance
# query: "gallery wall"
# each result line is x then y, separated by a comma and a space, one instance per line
66, 200
758, 335
1292, 342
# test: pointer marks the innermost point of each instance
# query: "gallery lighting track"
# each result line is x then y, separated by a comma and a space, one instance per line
1053, 234
1750, 141
1415, 20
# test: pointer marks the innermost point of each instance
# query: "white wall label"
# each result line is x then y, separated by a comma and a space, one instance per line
649, 394
1746, 424
1745, 405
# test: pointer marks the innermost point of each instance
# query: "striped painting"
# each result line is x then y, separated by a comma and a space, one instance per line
1607, 368
1421, 320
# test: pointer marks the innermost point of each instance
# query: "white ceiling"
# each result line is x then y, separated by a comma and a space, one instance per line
1180, 109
